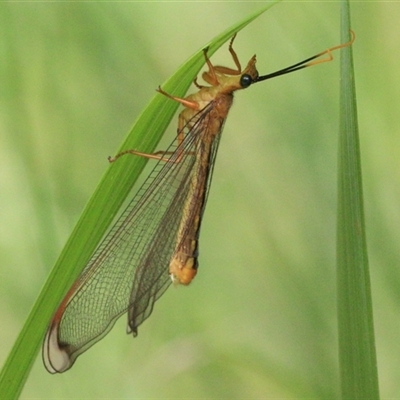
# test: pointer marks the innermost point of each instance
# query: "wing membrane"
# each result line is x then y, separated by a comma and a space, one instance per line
130, 269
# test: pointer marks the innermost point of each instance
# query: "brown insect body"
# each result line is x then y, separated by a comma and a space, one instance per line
155, 240
183, 266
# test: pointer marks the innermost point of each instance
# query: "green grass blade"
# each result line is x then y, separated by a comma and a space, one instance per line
357, 357
100, 211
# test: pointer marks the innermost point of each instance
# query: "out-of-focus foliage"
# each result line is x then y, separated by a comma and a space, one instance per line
260, 319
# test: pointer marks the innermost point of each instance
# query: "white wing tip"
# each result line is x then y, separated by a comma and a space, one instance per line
55, 359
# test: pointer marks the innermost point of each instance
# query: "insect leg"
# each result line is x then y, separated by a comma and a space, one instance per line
231, 71
160, 155
211, 77
185, 102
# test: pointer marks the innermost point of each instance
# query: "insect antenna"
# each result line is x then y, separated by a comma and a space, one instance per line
309, 62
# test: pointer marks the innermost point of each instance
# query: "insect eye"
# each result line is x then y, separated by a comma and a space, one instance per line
245, 80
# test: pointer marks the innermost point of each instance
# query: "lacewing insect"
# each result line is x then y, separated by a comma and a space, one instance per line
155, 240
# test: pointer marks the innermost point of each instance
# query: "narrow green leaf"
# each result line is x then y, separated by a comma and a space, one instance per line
104, 204
357, 357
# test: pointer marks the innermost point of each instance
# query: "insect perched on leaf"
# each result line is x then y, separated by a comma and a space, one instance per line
155, 240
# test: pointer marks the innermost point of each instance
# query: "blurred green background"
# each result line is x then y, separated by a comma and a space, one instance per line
259, 321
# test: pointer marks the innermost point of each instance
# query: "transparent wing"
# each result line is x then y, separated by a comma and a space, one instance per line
130, 268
